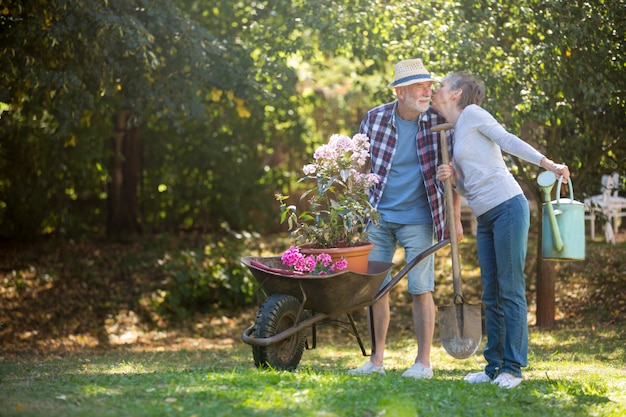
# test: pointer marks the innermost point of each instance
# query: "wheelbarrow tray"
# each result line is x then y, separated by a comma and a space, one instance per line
330, 294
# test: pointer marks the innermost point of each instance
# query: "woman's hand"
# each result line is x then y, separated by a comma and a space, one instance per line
558, 169
446, 172
459, 230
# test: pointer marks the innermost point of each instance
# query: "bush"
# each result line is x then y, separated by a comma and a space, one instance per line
207, 279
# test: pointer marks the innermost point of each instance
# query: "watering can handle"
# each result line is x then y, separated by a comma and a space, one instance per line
558, 189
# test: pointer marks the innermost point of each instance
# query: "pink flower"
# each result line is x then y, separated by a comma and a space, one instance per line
310, 263
339, 265
322, 264
325, 259
324, 152
371, 179
291, 256
341, 143
301, 265
309, 169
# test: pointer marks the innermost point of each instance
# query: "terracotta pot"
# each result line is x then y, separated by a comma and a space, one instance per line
355, 255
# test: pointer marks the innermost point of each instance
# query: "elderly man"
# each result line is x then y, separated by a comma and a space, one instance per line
405, 154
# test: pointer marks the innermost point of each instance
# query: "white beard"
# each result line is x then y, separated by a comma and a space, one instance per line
417, 104
422, 106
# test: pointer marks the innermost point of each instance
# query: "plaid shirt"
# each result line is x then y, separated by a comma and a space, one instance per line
379, 126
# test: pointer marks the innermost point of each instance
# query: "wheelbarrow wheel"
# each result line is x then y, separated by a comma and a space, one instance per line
277, 314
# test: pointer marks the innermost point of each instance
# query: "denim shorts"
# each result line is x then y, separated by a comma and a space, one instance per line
414, 239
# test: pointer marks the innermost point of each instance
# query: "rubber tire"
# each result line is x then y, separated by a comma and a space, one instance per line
278, 313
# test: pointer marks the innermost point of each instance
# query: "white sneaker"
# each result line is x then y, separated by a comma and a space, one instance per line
418, 371
367, 369
506, 380
477, 378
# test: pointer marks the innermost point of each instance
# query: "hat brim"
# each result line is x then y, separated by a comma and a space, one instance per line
400, 83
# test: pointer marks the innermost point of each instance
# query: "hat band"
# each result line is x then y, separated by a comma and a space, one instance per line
410, 78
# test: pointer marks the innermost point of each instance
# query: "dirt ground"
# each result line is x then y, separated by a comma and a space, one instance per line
45, 308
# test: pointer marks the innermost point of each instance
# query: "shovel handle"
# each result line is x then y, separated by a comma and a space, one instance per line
454, 240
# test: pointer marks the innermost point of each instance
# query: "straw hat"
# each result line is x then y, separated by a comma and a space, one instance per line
409, 72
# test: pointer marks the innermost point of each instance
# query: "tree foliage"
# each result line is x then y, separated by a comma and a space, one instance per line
72, 67
227, 94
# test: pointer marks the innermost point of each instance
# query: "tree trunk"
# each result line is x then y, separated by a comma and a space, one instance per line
545, 286
125, 168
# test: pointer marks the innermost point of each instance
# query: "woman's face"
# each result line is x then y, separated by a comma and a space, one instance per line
444, 97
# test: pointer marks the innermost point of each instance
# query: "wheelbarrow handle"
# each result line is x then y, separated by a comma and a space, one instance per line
421, 256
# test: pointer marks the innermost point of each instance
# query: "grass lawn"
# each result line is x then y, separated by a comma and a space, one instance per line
202, 368
571, 373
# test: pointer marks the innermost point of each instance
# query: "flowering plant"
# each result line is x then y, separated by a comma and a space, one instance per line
321, 264
338, 205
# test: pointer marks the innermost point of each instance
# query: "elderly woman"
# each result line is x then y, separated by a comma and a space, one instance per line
479, 173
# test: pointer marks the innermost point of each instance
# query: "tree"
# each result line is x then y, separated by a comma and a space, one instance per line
93, 68
221, 98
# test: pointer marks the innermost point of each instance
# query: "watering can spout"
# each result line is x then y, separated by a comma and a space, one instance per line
546, 181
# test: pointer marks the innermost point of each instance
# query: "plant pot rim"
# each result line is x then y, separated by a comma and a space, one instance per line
340, 246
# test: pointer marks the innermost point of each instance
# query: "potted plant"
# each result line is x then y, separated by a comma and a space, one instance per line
336, 209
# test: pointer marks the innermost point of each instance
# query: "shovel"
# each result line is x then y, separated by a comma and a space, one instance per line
460, 324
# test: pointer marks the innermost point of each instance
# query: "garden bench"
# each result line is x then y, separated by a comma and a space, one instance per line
609, 205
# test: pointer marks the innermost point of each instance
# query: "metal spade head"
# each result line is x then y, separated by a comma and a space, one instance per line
460, 328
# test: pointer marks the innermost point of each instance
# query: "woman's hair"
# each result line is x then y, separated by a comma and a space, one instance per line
473, 89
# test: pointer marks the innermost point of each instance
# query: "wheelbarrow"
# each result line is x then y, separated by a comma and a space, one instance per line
296, 303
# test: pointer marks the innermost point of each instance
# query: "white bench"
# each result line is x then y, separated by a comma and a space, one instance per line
609, 205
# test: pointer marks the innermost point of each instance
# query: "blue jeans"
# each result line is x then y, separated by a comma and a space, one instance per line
414, 238
502, 243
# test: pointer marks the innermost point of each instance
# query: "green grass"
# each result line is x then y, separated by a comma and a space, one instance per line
571, 373
52, 365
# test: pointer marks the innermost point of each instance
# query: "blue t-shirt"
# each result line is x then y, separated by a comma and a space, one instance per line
404, 200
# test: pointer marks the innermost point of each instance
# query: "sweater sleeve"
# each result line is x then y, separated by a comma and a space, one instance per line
507, 141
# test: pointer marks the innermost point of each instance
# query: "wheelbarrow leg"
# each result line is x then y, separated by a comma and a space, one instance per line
313, 337
358, 336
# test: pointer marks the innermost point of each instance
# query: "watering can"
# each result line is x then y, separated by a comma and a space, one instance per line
563, 232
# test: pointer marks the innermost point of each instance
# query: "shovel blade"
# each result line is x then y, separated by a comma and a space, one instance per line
460, 329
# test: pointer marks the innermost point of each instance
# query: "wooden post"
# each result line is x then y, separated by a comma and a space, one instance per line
545, 287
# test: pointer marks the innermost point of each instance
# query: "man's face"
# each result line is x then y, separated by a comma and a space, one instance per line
417, 96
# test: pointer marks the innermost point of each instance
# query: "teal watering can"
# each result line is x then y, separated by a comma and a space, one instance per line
563, 232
